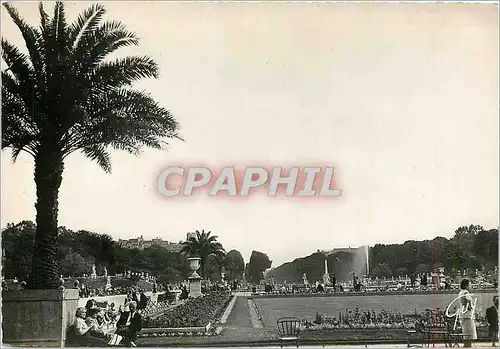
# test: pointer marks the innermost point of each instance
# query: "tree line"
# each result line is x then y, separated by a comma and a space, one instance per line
472, 247
78, 251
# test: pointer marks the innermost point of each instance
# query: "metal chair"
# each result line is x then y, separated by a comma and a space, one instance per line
455, 336
289, 330
416, 337
150, 307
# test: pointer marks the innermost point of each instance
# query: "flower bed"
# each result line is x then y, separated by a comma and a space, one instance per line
195, 317
389, 335
361, 320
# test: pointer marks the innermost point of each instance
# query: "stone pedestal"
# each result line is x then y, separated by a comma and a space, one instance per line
38, 317
194, 286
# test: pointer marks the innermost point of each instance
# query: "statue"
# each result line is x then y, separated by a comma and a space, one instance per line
304, 279
105, 272
94, 275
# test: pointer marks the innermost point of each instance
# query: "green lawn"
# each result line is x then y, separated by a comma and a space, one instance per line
272, 309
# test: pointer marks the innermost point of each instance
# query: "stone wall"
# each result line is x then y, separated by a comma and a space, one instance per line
38, 317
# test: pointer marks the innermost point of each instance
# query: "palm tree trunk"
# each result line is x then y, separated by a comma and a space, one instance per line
48, 177
203, 269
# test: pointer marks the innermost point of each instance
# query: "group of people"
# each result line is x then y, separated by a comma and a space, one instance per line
105, 326
85, 292
92, 328
138, 296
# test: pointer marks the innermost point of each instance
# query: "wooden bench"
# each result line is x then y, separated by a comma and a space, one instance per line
289, 330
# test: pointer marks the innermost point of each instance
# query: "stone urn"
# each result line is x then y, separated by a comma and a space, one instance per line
194, 279
194, 265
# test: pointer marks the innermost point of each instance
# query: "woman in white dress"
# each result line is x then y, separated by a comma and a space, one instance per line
467, 316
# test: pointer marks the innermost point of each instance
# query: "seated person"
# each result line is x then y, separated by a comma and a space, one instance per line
129, 324
102, 318
96, 329
84, 332
91, 304
112, 313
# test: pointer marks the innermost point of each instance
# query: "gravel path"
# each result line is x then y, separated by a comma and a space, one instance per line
239, 317
254, 315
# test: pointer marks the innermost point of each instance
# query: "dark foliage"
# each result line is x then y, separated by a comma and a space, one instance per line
204, 245
62, 95
470, 248
259, 262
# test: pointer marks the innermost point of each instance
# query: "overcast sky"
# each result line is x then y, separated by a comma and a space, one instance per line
402, 99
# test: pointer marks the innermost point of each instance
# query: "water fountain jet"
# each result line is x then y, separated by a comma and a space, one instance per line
367, 261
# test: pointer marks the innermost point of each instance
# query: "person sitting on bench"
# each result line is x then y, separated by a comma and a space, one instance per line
129, 324
84, 332
93, 322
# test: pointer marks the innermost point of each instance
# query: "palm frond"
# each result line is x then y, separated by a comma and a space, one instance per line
30, 35
44, 17
99, 154
17, 111
104, 40
85, 24
211, 238
47, 46
123, 72
59, 27
125, 120
18, 63
16, 130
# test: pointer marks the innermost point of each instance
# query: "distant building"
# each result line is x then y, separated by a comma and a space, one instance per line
141, 244
345, 249
190, 235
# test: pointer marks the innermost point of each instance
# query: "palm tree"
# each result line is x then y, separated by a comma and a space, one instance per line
63, 96
203, 245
